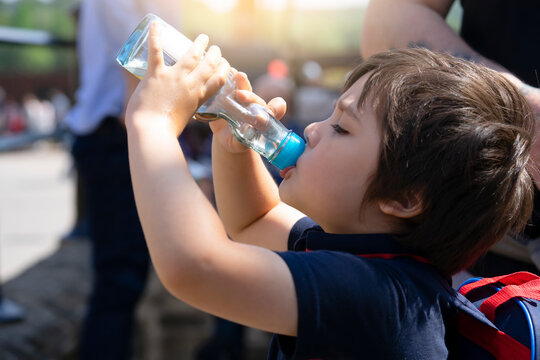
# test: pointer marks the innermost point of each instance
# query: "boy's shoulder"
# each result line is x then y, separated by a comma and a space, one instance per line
363, 260
363, 293
348, 289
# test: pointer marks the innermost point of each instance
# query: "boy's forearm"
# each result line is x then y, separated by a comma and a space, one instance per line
192, 255
245, 190
180, 224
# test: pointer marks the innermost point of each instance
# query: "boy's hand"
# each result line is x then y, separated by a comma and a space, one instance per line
173, 93
244, 96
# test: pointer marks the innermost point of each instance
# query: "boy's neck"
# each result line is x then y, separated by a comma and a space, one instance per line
370, 221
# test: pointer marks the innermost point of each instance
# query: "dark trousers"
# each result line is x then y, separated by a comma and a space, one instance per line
120, 257
226, 343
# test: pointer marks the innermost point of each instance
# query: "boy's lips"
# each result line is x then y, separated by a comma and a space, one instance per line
284, 172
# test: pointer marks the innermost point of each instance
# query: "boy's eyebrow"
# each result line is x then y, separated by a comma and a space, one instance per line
363, 97
349, 108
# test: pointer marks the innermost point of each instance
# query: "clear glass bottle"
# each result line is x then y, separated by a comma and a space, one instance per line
252, 125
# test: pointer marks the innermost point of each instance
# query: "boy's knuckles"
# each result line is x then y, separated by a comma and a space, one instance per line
207, 68
213, 52
193, 58
221, 80
214, 84
216, 63
202, 92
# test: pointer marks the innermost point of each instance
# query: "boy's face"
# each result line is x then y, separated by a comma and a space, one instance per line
331, 177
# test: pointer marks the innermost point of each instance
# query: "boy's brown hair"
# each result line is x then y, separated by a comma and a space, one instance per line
458, 135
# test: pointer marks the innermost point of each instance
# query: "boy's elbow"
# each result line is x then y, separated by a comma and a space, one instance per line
183, 277
177, 286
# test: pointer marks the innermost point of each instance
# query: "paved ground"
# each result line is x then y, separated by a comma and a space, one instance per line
36, 205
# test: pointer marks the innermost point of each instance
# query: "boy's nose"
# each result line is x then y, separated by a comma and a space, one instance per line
310, 134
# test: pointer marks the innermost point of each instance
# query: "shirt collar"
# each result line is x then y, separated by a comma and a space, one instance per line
357, 244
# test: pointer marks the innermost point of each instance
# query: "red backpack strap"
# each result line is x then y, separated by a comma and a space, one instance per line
516, 278
497, 343
530, 289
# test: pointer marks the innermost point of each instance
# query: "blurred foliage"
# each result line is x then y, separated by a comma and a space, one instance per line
288, 32
292, 33
53, 16
304, 32
454, 16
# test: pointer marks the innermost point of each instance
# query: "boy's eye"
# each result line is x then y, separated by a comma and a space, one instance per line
338, 129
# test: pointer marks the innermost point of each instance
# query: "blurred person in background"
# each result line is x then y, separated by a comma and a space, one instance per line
15, 117
276, 82
496, 33
3, 117
60, 103
40, 114
313, 102
120, 258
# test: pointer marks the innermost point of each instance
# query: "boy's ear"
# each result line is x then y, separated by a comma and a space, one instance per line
404, 207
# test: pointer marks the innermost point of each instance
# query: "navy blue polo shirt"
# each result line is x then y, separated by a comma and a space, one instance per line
356, 307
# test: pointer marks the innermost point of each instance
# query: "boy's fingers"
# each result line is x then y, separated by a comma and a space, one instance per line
218, 78
278, 107
242, 81
155, 52
193, 56
210, 62
246, 97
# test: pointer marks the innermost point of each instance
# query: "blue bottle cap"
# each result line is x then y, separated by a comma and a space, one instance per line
292, 147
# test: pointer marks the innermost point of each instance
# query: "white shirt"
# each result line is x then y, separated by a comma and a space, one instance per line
104, 26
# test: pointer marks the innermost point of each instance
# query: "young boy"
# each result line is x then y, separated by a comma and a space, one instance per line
421, 167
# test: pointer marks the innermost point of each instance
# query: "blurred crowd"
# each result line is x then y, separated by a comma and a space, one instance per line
308, 100
36, 113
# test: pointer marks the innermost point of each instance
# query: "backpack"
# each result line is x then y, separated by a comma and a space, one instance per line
496, 318
511, 304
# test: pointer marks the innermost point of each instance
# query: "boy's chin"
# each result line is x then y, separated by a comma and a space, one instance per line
284, 195
292, 203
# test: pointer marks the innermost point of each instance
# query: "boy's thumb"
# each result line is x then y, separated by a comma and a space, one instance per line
155, 52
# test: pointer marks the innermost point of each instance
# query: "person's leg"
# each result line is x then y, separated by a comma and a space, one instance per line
81, 229
226, 343
120, 256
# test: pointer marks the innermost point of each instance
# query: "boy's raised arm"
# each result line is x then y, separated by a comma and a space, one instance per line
188, 244
247, 196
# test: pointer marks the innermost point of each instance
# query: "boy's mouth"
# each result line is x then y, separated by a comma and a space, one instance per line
284, 172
